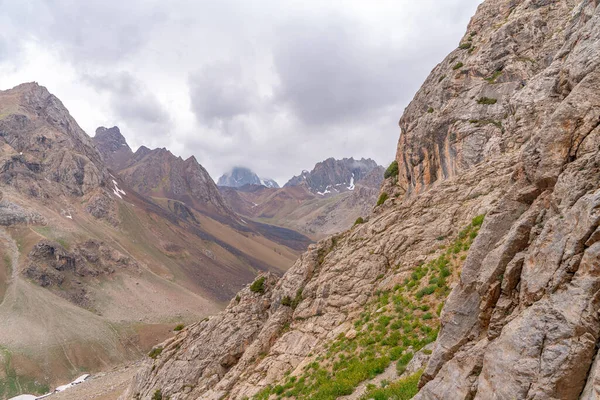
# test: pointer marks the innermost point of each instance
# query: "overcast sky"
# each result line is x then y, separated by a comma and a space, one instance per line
273, 85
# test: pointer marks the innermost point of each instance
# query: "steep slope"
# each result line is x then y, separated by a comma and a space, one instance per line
240, 176
158, 173
316, 214
508, 125
93, 273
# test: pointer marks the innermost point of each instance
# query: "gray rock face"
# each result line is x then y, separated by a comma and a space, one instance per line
113, 147
240, 176
513, 131
334, 176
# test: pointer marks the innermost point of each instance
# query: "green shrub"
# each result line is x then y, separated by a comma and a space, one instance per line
359, 221
478, 220
426, 291
155, 352
382, 198
392, 170
258, 286
430, 110
157, 395
487, 101
179, 327
286, 301
458, 65
427, 316
465, 46
495, 75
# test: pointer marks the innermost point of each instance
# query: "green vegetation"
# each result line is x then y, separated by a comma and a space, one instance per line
258, 286
465, 46
384, 196
359, 221
494, 76
481, 122
430, 110
404, 389
157, 395
12, 384
179, 327
392, 170
289, 302
441, 78
155, 352
458, 65
394, 325
487, 101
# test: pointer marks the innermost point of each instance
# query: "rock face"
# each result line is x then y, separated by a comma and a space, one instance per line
334, 176
161, 174
240, 176
113, 147
508, 125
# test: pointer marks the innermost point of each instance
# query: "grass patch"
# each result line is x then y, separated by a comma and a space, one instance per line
441, 78
392, 170
384, 196
359, 221
155, 352
465, 46
179, 328
404, 389
458, 65
494, 76
12, 385
258, 286
487, 101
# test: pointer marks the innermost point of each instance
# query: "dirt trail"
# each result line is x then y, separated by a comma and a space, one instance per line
8, 243
104, 386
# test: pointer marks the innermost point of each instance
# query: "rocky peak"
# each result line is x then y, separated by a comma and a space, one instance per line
334, 176
113, 147
159, 172
241, 176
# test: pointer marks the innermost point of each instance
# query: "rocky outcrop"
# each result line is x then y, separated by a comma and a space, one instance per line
113, 147
507, 126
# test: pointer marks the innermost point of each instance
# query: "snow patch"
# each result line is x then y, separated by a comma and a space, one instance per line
351, 187
118, 192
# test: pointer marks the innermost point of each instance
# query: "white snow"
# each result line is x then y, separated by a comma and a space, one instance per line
68, 216
63, 387
24, 397
351, 187
118, 192
81, 379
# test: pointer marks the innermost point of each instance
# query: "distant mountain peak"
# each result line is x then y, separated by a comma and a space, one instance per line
241, 176
113, 147
334, 176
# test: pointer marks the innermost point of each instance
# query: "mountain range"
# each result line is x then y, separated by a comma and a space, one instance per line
324, 201
240, 176
103, 250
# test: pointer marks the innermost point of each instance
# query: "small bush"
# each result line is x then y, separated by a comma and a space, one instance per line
465, 46
155, 352
427, 316
258, 286
441, 78
359, 221
487, 101
392, 170
458, 66
286, 301
430, 110
426, 291
179, 327
478, 220
382, 198
157, 395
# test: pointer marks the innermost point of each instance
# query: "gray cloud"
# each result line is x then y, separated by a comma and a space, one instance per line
218, 93
132, 103
275, 86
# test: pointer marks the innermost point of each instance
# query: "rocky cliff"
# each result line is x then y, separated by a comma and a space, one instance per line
113, 147
485, 245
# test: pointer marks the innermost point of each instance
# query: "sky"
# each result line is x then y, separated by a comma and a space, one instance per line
273, 85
